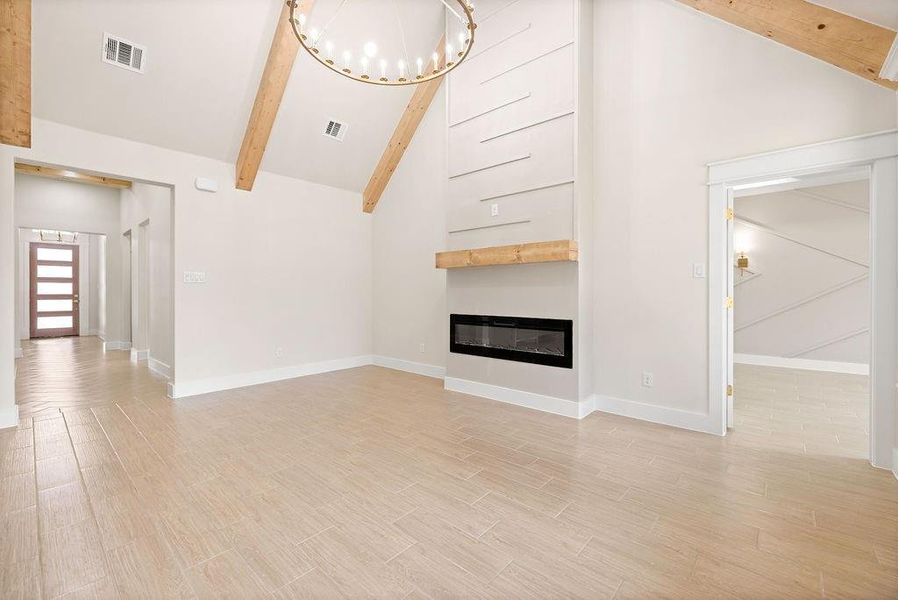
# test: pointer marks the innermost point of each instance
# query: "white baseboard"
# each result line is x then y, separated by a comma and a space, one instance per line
111, 346
655, 414
895, 462
806, 364
183, 389
410, 367
9, 417
139, 355
158, 367
549, 404
19, 353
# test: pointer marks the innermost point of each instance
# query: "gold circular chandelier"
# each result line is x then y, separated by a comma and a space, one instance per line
450, 51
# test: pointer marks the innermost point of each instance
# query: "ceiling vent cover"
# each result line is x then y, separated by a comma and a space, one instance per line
335, 130
124, 54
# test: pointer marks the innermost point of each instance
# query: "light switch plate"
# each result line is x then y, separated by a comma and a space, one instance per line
494, 210
698, 270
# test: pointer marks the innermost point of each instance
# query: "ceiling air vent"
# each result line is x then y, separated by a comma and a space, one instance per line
124, 54
336, 130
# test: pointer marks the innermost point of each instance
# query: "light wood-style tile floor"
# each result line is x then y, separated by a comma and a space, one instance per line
375, 483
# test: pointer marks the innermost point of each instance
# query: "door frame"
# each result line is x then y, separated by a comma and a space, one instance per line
75, 329
878, 153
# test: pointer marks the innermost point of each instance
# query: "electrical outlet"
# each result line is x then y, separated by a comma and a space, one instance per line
698, 270
194, 277
648, 379
494, 210
421, 348
279, 352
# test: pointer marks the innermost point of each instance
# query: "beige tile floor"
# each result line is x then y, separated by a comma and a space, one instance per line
375, 483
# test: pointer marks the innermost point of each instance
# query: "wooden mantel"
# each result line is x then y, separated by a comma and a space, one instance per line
517, 254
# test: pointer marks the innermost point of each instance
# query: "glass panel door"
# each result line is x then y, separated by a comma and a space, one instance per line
54, 290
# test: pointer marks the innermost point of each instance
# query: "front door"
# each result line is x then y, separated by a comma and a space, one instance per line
54, 290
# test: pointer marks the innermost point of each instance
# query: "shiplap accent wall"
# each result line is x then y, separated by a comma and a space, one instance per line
809, 296
512, 127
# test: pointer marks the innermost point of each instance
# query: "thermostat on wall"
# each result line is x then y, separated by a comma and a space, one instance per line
206, 185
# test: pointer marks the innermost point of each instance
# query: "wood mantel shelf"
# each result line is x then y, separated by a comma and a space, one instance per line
517, 254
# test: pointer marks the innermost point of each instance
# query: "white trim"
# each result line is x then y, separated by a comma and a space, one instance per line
895, 462
183, 389
158, 367
112, 346
805, 364
408, 366
139, 355
549, 404
805, 160
10, 417
890, 65
654, 413
19, 353
877, 153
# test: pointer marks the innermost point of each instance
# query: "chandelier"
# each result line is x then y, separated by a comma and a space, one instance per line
361, 60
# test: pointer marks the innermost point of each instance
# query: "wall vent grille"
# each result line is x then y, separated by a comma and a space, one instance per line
124, 54
335, 130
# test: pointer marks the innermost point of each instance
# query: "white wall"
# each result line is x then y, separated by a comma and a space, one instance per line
807, 294
42, 203
288, 265
409, 294
675, 90
152, 203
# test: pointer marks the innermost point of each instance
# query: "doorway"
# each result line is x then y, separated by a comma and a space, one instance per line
874, 157
801, 315
53, 290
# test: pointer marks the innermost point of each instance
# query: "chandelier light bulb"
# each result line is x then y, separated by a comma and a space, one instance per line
347, 60
383, 69
302, 23
462, 39
370, 49
420, 62
313, 35
401, 66
329, 48
436, 62
364, 62
448, 49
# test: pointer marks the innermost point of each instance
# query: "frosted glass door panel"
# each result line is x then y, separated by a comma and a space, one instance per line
54, 322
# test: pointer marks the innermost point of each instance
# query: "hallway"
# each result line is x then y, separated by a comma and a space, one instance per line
73, 372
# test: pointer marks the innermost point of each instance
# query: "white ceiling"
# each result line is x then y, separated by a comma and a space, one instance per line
203, 64
881, 12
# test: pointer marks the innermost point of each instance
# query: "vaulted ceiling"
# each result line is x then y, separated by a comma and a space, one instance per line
204, 61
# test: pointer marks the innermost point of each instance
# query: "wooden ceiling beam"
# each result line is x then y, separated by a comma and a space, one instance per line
278, 67
15, 72
839, 39
75, 176
402, 136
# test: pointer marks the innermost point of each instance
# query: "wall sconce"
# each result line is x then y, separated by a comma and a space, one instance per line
742, 263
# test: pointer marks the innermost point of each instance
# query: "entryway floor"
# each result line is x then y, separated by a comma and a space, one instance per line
74, 372
376, 483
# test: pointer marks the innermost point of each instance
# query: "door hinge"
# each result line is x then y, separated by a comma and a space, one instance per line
729, 390
729, 302
731, 214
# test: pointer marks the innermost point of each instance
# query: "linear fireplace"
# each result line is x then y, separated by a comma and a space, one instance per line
522, 339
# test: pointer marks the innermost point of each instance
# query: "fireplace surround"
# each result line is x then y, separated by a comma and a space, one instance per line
521, 339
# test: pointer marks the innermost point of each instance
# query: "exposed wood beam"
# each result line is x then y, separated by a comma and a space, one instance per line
517, 254
402, 136
15, 72
839, 39
281, 57
75, 176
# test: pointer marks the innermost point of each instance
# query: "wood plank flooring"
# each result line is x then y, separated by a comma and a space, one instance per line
375, 483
